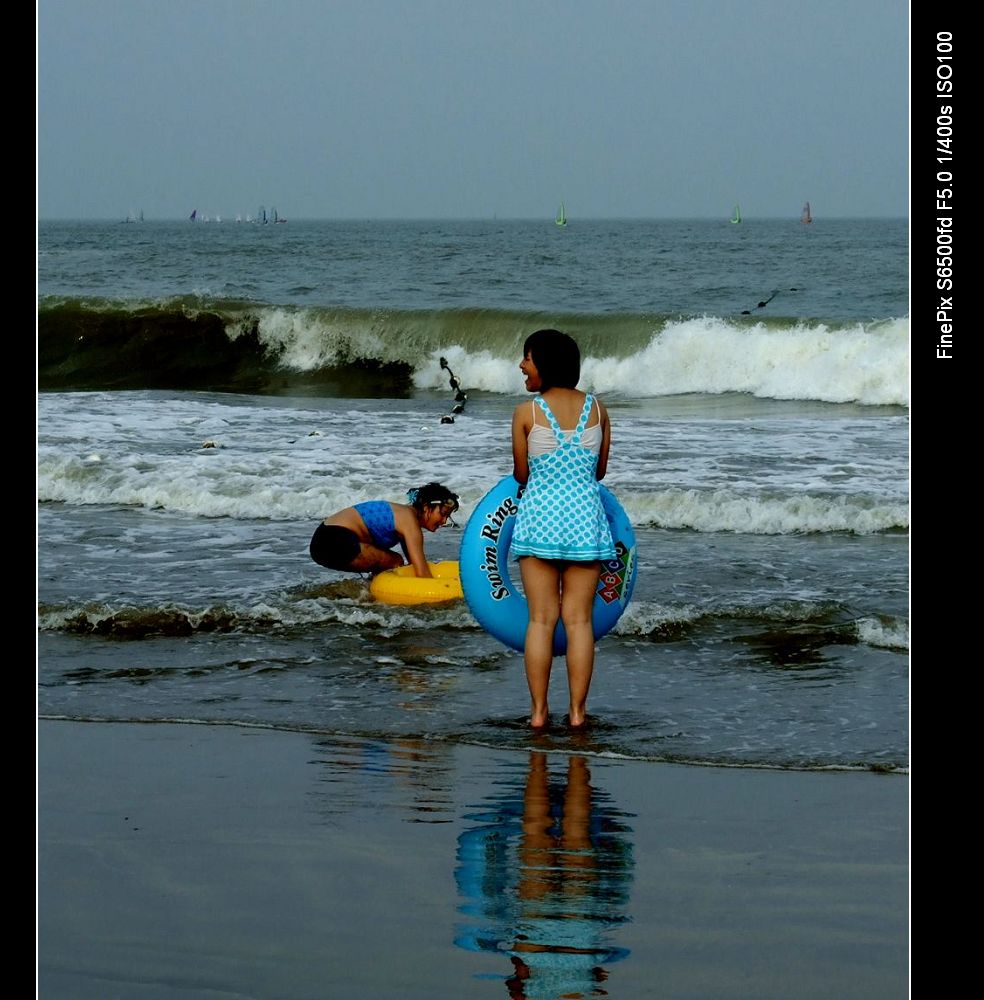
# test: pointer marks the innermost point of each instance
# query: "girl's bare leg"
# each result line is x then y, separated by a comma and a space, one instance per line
541, 582
578, 584
373, 560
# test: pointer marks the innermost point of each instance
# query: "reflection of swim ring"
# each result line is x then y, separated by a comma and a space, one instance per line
497, 603
403, 586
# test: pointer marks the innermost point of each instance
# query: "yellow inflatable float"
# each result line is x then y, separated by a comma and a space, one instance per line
403, 586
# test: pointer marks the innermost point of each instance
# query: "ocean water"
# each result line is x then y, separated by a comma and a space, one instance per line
209, 392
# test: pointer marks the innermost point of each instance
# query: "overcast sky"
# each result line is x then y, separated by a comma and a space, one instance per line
472, 108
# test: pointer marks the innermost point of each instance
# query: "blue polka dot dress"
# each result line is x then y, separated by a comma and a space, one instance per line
560, 513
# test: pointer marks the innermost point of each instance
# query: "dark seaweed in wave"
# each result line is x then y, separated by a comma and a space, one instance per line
81, 347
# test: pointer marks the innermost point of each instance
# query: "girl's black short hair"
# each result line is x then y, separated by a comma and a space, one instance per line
557, 358
432, 493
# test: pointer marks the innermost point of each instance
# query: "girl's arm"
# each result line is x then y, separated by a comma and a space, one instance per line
520, 433
412, 539
606, 442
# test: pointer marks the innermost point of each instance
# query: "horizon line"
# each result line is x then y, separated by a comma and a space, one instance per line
461, 218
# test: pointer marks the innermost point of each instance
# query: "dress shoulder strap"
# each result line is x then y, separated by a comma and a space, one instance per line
551, 419
583, 419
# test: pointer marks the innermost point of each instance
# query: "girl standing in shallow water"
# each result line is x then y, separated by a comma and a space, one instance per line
360, 538
560, 444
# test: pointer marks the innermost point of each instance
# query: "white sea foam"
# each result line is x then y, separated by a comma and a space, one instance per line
887, 634
725, 510
758, 476
866, 363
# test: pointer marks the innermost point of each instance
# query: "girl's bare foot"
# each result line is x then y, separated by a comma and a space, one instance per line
540, 720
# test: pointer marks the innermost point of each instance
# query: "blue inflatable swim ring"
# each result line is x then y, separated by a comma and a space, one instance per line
499, 605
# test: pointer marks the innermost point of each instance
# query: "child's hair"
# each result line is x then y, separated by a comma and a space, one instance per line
557, 358
430, 494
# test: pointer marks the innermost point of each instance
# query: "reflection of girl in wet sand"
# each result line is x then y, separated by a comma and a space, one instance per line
549, 874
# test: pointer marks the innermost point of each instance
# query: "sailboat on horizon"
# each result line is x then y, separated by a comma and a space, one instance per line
561, 219
736, 216
806, 216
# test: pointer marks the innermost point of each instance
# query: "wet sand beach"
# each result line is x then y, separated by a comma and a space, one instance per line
202, 861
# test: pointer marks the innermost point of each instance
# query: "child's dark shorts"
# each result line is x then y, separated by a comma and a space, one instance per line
334, 547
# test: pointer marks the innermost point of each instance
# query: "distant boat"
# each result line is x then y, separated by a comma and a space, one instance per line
736, 218
194, 215
561, 219
807, 215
